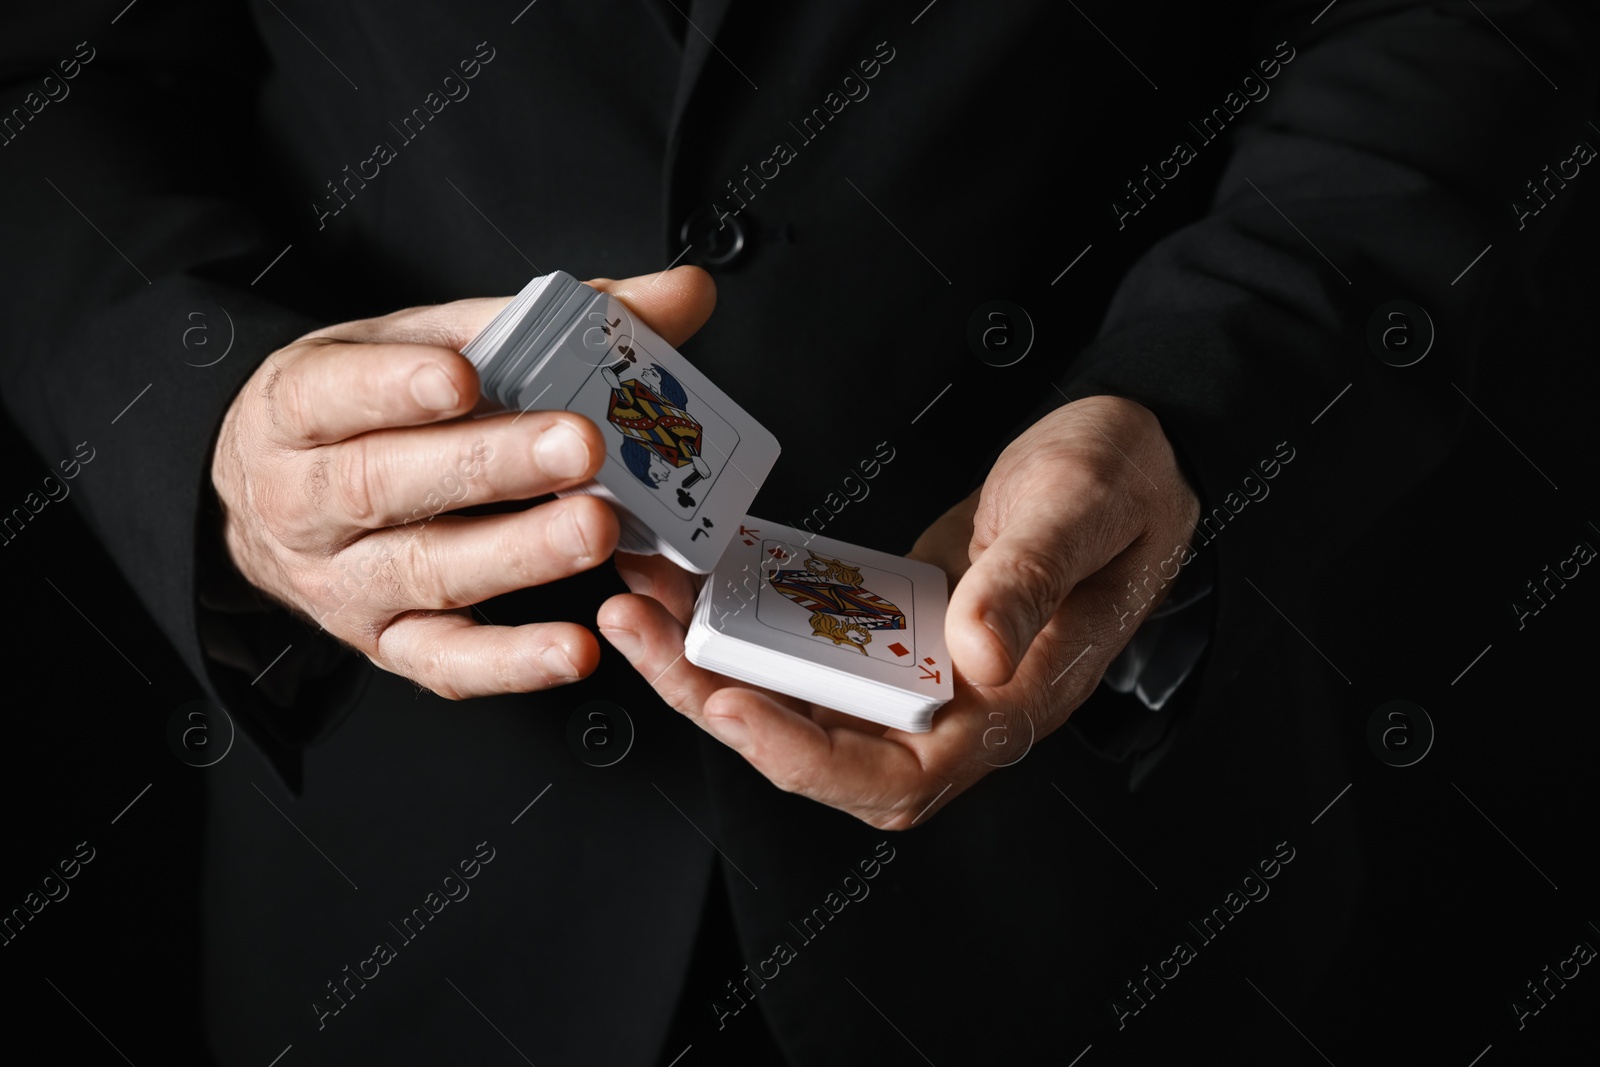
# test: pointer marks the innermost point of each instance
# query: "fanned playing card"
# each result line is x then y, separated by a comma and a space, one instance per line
837, 624
683, 460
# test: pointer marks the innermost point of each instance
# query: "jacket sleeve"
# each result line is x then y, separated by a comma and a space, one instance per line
1387, 158
132, 261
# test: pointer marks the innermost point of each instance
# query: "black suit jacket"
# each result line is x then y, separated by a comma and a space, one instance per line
200, 161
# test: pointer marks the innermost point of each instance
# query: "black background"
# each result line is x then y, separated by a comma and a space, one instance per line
1460, 917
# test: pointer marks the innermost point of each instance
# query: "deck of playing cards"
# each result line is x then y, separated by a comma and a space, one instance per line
828, 622
683, 461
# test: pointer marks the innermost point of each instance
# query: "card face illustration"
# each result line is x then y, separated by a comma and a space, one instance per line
660, 436
828, 608
847, 608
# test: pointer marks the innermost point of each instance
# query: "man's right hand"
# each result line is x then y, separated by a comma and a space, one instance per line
338, 457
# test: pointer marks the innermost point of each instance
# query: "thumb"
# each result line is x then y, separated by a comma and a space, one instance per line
673, 303
1047, 543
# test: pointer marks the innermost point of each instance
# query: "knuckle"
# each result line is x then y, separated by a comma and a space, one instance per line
1038, 572
354, 490
420, 323
424, 571
351, 588
1099, 478
255, 483
1136, 421
522, 563
334, 596
283, 518
433, 677
316, 480
271, 380
430, 665
440, 325
367, 572
1041, 581
797, 779
387, 581
295, 404
310, 585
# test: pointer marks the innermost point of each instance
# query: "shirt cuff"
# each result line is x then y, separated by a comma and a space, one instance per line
1167, 648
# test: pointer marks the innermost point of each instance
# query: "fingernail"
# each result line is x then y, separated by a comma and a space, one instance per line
730, 730
624, 641
1002, 628
634, 579
432, 388
561, 452
556, 664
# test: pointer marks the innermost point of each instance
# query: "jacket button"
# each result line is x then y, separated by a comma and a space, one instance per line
715, 242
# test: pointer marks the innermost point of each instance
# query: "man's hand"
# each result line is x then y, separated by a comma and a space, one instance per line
337, 455
1084, 503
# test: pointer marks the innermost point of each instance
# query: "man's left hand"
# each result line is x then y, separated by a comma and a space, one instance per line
1071, 542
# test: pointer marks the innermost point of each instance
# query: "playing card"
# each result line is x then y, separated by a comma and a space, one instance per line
837, 624
683, 461
525, 370
847, 608
492, 349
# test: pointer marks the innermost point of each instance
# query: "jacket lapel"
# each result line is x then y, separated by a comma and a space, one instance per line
705, 19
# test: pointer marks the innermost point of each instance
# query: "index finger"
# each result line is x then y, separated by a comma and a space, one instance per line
325, 391
400, 369
878, 779
881, 779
